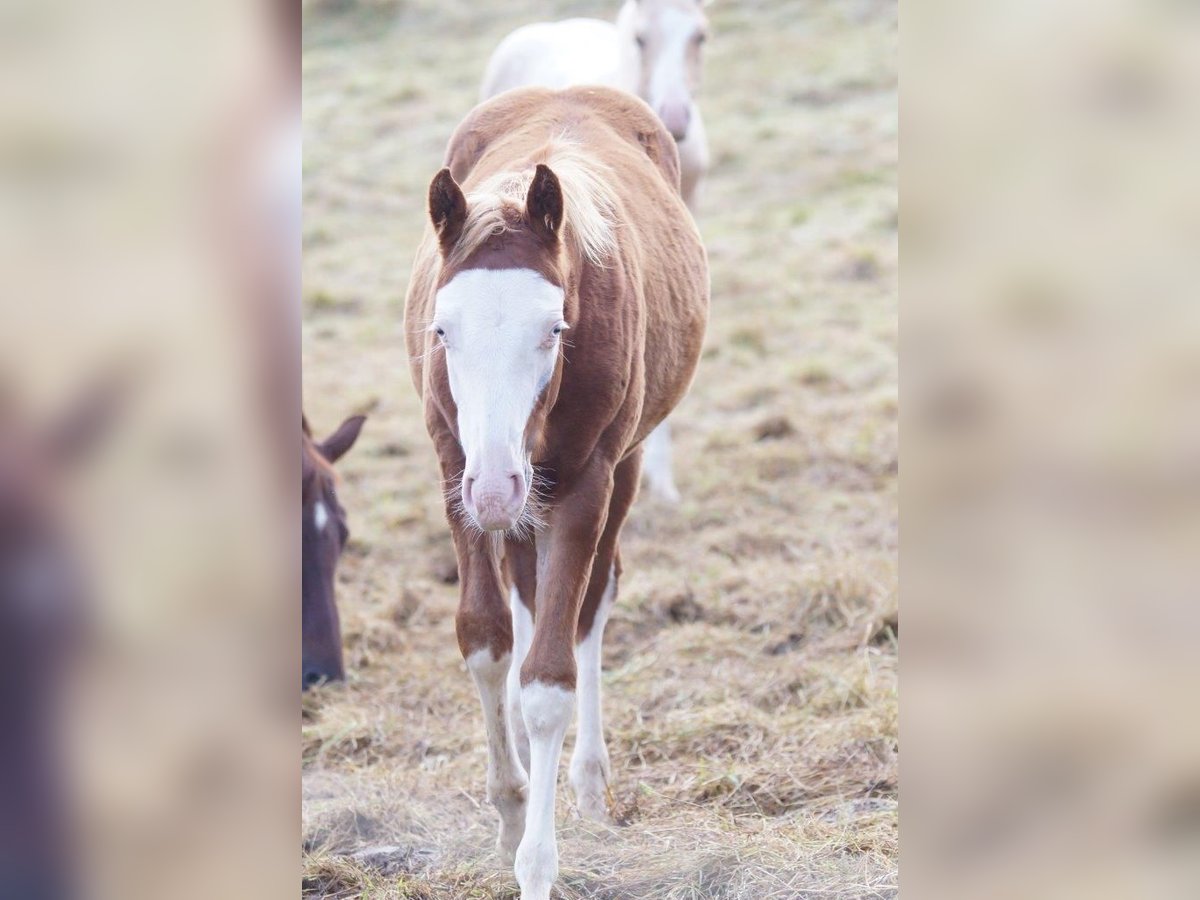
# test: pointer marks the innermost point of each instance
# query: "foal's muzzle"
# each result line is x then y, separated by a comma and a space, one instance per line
495, 499
676, 116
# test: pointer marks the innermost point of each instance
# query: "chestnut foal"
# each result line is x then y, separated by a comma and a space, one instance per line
554, 318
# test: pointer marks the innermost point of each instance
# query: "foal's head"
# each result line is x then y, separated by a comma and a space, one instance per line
666, 37
323, 535
499, 319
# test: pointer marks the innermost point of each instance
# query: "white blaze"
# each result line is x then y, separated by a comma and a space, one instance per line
500, 353
668, 79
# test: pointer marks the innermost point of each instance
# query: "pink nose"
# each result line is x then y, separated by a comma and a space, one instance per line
676, 116
495, 500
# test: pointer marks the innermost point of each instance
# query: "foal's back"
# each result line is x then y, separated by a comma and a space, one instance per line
556, 55
616, 127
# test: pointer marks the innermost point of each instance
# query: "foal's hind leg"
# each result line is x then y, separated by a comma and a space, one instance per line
590, 770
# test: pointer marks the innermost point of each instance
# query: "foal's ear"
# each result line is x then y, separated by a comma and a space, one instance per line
447, 209
544, 203
337, 444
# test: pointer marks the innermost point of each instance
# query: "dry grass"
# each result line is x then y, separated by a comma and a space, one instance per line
751, 665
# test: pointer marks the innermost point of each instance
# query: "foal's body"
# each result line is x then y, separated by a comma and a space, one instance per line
571, 219
652, 50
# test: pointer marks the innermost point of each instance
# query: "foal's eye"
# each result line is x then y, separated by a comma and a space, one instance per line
440, 332
559, 329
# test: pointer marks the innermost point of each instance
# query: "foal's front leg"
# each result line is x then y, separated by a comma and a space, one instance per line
565, 552
485, 639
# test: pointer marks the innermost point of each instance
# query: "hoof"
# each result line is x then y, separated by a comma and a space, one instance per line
506, 848
593, 798
594, 807
536, 870
511, 833
511, 805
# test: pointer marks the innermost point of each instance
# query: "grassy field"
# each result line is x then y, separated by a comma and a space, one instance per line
750, 686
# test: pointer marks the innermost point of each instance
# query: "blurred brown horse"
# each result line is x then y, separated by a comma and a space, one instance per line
43, 611
323, 535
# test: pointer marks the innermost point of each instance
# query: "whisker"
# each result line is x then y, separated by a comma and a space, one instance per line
533, 517
421, 328
529, 524
428, 354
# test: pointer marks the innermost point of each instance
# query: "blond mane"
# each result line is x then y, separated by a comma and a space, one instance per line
589, 203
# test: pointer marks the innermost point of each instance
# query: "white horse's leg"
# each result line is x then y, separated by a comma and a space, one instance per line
589, 762
693, 160
547, 710
656, 464
506, 781
522, 623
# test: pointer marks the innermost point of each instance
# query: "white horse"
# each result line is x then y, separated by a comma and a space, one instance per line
653, 51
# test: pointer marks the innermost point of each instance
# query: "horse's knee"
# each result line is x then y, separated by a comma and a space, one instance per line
489, 669
479, 628
548, 669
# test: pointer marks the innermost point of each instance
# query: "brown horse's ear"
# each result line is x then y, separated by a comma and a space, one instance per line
337, 444
544, 203
447, 209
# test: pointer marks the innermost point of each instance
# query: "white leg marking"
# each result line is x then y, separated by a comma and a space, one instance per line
547, 711
506, 782
522, 637
656, 464
589, 762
